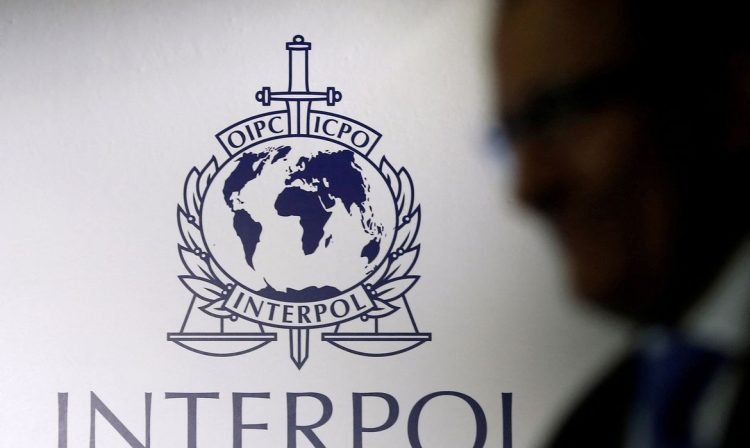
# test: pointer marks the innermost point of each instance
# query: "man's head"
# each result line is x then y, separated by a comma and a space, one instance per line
630, 120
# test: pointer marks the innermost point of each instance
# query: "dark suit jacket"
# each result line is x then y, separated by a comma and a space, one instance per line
600, 419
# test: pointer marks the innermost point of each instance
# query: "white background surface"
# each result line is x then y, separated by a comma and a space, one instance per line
105, 106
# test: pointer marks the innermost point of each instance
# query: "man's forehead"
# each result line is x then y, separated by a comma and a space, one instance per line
542, 43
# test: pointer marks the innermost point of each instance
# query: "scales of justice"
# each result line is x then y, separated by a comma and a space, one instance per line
220, 321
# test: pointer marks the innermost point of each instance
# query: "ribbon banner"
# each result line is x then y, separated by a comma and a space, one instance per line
328, 126
320, 313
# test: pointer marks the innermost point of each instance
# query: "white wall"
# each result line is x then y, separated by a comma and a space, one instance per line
105, 106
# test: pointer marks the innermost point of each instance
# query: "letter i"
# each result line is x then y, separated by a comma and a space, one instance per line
317, 124
62, 420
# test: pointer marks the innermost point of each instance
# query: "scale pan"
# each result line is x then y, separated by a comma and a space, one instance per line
221, 344
377, 344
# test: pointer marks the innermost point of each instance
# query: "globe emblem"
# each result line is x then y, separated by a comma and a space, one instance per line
298, 230
300, 220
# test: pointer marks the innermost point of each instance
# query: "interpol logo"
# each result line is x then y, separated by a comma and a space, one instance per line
299, 230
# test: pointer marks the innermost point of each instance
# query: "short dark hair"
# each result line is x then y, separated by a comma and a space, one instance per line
688, 51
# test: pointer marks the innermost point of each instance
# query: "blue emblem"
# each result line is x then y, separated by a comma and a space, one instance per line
299, 230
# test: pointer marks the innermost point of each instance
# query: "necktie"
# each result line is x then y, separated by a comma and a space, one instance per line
673, 377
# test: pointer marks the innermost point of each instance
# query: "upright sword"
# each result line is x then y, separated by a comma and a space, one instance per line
298, 98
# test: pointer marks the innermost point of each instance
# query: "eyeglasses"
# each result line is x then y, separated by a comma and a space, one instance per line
559, 103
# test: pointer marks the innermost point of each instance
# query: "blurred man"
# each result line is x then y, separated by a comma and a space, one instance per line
630, 121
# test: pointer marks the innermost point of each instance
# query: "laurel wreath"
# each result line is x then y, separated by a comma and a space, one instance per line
392, 280
210, 284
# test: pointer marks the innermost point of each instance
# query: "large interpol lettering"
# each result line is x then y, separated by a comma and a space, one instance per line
295, 430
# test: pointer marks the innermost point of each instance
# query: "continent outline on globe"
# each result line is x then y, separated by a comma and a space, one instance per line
389, 281
272, 151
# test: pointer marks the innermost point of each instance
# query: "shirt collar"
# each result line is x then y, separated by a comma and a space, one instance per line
721, 319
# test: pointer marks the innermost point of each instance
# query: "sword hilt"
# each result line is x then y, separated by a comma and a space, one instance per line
298, 88
298, 51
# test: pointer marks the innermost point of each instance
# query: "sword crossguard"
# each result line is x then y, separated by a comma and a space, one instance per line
263, 96
331, 96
